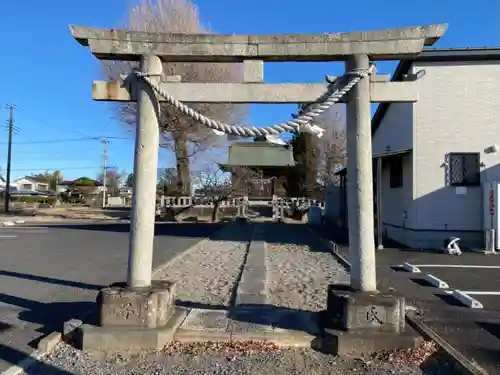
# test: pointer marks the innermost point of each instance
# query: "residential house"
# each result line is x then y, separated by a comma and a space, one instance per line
437, 153
65, 185
31, 183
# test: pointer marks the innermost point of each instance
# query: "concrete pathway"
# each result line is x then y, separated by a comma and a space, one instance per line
279, 286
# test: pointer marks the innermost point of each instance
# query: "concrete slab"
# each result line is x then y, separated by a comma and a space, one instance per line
251, 290
206, 320
284, 327
284, 339
277, 319
246, 298
187, 336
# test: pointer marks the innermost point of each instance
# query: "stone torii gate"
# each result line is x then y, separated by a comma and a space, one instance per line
357, 49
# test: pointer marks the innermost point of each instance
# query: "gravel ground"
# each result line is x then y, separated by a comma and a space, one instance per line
176, 360
208, 273
298, 276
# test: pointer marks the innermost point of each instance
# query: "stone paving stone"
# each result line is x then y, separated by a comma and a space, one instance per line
208, 320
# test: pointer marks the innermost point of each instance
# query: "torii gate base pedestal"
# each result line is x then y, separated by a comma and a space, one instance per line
133, 319
360, 323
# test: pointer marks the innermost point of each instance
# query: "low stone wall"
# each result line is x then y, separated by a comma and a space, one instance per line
183, 213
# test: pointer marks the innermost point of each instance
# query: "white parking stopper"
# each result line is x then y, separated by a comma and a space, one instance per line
410, 268
467, 300
433, 280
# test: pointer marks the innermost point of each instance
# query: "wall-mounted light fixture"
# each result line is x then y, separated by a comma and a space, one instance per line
411, 77
491, 149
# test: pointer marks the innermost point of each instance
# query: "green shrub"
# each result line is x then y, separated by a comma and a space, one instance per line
33, 199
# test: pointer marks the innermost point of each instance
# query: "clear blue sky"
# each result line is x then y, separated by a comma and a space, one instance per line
48, 75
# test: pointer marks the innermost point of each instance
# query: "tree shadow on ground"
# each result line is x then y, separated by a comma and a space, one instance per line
421, 282
448, 298
292, 234
281, 318
188, 229
439, 363
273, 231
48, 316
15, 356
5, 327
492, 327
51, 280
198, 305
260, 316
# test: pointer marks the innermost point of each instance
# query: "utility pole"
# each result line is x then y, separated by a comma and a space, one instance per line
9, 157
105, 168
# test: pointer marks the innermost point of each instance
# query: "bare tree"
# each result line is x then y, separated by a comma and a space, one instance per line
114, 180
332, 146
216, 185
185, 137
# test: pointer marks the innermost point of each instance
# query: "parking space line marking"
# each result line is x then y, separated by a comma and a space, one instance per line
8, 236
18, 228
455, 266
467, 300
482, 293
25, 232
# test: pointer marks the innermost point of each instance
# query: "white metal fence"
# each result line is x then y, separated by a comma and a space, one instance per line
194, 201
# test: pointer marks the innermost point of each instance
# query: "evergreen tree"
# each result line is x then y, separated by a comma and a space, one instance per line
301, 180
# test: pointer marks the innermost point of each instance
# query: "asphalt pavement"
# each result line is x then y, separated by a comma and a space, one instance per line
475, 333
52, 273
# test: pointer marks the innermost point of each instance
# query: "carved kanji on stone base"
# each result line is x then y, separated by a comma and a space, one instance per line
348, 310
149, 307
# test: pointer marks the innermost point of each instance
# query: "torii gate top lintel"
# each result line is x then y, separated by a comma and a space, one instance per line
390, 44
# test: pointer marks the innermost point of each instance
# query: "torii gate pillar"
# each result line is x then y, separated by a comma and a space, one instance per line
142, 223
359, 184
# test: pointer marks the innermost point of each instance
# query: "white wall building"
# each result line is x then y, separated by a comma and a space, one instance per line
433, 151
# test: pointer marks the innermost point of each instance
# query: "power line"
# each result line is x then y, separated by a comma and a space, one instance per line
67, 140
45, 122
54, 169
